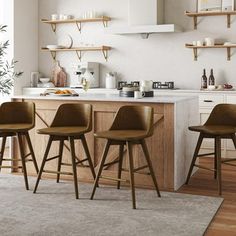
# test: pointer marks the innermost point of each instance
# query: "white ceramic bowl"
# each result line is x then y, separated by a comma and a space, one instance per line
44, 80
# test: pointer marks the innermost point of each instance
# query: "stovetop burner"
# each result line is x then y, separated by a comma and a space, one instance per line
156, 85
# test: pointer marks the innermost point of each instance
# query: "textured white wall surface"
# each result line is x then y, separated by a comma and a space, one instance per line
162, 57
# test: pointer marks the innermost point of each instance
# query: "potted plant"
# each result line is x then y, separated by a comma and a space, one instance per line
7, 73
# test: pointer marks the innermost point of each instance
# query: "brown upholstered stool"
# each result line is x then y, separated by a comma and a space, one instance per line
71, 122
132, 124
17, 118
220, 125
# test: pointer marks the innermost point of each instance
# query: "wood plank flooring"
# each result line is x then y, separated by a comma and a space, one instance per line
203, 183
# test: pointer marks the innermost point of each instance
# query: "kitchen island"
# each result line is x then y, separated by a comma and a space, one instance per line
171, 147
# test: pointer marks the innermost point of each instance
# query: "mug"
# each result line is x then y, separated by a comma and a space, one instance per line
148, 84
199, 43
54, 17
138, 94
209, 41
144, 89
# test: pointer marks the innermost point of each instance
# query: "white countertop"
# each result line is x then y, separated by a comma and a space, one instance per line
108, 97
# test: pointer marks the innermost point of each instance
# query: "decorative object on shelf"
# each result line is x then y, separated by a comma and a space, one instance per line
66, 41
111, 80
209, 42
79, 50
227, 47
195, 16
7, 73
54, 46
208, 5
59, 75
227, 5
78, 22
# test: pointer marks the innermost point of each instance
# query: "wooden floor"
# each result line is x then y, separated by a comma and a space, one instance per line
203, 183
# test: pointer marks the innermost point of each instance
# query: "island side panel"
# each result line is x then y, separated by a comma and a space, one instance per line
160, 145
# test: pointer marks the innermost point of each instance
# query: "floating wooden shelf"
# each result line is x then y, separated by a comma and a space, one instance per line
78, 22
195, 49
195, 15
79, 50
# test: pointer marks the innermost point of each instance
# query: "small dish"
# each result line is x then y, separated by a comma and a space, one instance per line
44, 80
51, 47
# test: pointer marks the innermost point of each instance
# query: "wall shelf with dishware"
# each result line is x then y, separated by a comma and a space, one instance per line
78, 22
195, 16
195, 49
79, 50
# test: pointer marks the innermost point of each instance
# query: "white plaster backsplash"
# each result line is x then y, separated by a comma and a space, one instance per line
162, 57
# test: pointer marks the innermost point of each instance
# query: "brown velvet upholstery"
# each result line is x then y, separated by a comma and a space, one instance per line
71, 122
17, 118
131, 125
220, 124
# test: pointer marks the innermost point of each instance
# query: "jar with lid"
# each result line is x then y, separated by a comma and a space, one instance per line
111, 80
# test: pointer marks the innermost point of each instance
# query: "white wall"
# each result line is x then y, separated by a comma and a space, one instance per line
162, 57
25, 40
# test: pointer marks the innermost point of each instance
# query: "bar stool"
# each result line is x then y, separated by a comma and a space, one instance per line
220, 125
17, 118
71, 122
131, 125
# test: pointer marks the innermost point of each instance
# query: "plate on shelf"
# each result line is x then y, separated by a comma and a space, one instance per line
51, 47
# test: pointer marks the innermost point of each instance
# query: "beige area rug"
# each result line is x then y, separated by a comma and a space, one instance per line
54, 211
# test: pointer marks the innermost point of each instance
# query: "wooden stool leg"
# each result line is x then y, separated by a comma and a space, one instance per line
215, 161
4, 139
218, 156
73, 157
102, 161
43, 162
60, 159
131, 172
32, 152
22, 154
234, 140
146, 154
85, 146
121, 154
199, 143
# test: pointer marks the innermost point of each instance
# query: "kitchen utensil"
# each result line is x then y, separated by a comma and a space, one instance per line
51, 47
110, 80
147, 84
44, 80
209, 42
66, 41
59, 75
34, 79
54, 17
138, 94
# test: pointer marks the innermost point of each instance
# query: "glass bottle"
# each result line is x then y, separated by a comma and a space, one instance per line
211, 78
204, 80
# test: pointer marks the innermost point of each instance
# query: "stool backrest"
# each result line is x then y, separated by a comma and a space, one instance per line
73, 114
17, 113
134, 118
223, 114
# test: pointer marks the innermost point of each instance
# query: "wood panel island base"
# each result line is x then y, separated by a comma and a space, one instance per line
171, 147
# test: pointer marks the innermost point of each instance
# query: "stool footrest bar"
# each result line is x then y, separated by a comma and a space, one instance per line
110, 163
11, 167
229, 160
113, 179
140, 168
229, 164
205, 168
57, 172
81, 161
206, 154
10, 159
29, 154
52, 158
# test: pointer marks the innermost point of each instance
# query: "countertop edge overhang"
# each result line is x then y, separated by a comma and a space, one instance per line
109, 98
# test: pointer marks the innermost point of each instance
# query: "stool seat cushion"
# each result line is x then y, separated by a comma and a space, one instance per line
64, 131
15, 127
214, 129
122, 135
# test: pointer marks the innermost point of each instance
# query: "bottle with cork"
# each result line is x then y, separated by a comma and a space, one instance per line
211, 79
204, 80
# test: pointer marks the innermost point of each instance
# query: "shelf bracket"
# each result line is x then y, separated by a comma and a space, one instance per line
195, 22
78, 24
228, 20
79, 55
105, 54
105, 23
228, 54
195, 54
53, 54
54, 27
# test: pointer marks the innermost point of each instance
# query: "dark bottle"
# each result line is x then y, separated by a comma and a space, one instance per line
204, 80
211, 78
